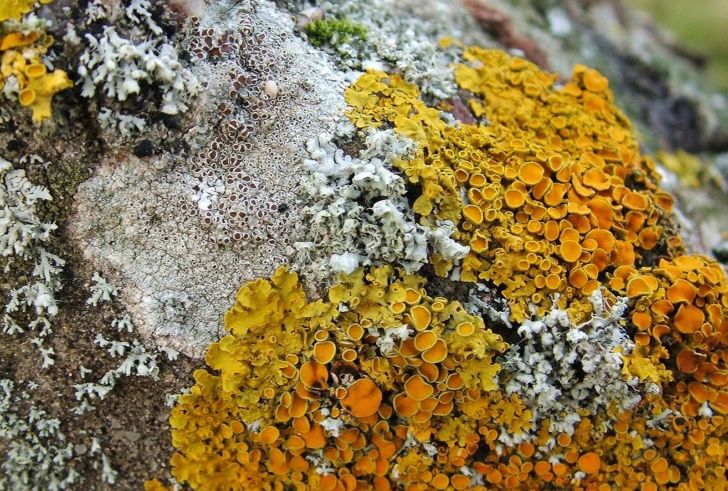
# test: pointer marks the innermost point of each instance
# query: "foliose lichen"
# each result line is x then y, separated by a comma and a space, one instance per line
375, 377
119, 67
24, 66
384, 386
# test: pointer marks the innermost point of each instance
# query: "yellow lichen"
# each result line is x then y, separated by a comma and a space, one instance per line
22, 61
15, 9
552, 166
552, 196
690, 169
565, 197
284, 381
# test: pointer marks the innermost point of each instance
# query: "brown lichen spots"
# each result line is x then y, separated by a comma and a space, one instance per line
22, 62
344, 383
544, 194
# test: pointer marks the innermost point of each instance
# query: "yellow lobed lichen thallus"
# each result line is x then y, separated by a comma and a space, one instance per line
22, 63
15, 9
552, 196
549, 195
341, 394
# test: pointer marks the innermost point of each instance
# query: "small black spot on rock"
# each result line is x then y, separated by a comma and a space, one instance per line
721, 252
282, 207
171, 122
144, 148
14, 145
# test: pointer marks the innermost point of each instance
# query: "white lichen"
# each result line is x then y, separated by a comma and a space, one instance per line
20, 227
333, 426
559, 369
390, 339
137, 361
123, 323
101, 290
108, 473
360, 215
399, 42
22, 234
36, 454
126, 124
119, 67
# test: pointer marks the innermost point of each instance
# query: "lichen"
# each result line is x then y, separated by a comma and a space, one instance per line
31, 305
376, 366
119, 67
15, 9
36, 452
225, 206
401, 37
24, 74
541, 190
359, 214
556, 173
564, 372
614, 376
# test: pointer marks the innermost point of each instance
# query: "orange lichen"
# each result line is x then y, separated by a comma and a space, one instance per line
22, 54
282, 367
689, 319
314, 375
421, 317
363, 398
155, 485
589, 463
555, 190
530, 173
473, 213
324, 351
556, 202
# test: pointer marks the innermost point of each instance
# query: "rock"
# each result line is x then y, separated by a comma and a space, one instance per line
205, 145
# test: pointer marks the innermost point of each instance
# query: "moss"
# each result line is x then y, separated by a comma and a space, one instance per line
334, 31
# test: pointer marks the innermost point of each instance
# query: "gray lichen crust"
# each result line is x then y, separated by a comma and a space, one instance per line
560, 370
37, 454
179, 234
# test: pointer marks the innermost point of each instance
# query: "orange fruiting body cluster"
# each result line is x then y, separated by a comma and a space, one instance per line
383, 386
552, 196
22, 62
351, 393
549, 195
682, 303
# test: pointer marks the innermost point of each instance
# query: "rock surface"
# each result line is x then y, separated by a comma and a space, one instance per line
178, 168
